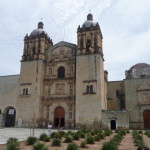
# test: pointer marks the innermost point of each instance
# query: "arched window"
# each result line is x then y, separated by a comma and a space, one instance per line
95, 44
61, 72
88, 45
81, 43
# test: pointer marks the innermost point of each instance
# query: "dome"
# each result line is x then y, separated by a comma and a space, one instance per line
89, 22
140, 66
140, 70
39, 30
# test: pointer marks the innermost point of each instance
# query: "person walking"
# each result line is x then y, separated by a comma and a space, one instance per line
49, 129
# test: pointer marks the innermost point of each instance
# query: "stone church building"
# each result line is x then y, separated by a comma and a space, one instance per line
65, 84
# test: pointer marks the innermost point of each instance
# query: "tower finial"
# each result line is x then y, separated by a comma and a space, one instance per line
89, 16
40, 25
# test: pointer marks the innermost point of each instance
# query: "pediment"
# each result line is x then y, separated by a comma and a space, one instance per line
144, 87
61, 50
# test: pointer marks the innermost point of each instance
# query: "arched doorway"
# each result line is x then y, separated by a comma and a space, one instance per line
10, 115
59, 117
146, 118
113, 124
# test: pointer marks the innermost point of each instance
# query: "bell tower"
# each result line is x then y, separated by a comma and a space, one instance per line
32, 75
89, 37
35, 44
90, 86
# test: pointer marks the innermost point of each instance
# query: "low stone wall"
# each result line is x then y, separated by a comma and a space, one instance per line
2, 121
121, 117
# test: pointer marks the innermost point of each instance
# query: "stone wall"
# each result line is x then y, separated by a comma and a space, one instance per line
135, 104
114, 91
121, 117
8, 93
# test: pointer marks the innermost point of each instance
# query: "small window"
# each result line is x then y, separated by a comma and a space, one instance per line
95, 43
0, 111
61, 72
87, 89
81, 44
27, 91
117, 92
24, 92
91, 88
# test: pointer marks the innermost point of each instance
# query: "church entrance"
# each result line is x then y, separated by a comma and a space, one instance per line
10, 117
59, 117
146, 118
113, 124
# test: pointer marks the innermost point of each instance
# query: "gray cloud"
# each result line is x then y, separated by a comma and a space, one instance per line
125, 26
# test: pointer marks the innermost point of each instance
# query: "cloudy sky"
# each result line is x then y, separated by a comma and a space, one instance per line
125, 26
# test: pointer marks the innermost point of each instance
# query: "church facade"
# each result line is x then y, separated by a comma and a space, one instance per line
66, 85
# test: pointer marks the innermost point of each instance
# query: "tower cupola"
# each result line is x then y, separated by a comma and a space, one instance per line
36, 43
40, 25
89, 37
89, 17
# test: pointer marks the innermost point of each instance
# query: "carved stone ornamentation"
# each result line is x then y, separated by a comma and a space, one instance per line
60, 89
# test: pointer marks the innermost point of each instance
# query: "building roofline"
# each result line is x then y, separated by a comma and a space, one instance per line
10, 75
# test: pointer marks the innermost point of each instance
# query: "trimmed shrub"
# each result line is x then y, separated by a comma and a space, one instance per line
31, 140
68, 139
72, 146
108, 132
83, 144
127, 131
12, 146
53, 134
138, 140
147, 133
42, 136
101, 135
56, 142
109, 146
92, 132
62, 133
90, 140
76, 136
46, 139
140, 132
39, 146
12, 140
82, 135
96, 138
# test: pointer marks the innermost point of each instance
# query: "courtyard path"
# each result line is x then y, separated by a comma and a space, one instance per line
146, 140
127, 143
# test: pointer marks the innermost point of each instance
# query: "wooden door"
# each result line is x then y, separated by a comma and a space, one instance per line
146, 118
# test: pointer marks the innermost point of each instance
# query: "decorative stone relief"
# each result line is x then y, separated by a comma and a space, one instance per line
145, 97
62, 54
60, 89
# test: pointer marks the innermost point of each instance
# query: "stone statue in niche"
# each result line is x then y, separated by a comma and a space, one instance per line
60, 89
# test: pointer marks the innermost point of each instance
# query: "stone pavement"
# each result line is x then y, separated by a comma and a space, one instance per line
20, 133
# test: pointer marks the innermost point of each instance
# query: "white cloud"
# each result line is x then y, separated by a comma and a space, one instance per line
125, 26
